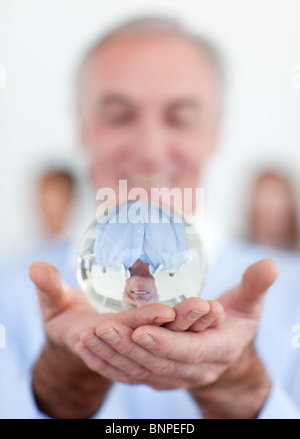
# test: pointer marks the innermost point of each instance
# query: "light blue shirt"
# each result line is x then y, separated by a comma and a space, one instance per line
275, 341
159, 244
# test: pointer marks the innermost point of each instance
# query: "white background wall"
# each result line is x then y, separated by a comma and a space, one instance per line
41, 43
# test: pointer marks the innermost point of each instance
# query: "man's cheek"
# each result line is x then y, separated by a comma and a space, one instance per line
190, 159
104, 144
192, 144
113, 139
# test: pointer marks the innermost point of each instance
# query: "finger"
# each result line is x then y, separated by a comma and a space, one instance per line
189, 347
165, 372
100, 366
215, 315
156, 372
119, 338
187, 313
113, 357
49, 286
157, 314
255, 282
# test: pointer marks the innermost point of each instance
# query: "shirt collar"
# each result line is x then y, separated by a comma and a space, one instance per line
211, 232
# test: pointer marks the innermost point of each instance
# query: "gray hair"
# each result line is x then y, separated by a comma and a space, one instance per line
158, 25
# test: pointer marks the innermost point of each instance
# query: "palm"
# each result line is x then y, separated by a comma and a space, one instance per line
64, 325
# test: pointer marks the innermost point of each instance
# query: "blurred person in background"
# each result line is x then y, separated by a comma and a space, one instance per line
149, 111
56, 197
273, 217
55, 212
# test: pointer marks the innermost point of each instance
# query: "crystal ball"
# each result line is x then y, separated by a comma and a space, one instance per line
138, 253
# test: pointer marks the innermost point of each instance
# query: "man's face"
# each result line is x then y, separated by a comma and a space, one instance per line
140, 288
55, 197
272, 212
148, 112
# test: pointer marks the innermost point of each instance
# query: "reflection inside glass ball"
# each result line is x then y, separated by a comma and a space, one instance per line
140, 288
139, 254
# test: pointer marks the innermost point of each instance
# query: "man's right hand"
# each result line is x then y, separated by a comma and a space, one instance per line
63, 385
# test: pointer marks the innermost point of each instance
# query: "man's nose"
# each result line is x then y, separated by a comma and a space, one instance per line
137, 302
152, 143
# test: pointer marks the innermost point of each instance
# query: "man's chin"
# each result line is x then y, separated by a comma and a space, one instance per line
149, 182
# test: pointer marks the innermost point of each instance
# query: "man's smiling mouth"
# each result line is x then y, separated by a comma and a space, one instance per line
139, 291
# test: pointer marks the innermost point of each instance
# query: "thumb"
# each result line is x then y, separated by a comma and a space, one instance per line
256, 280
49, 288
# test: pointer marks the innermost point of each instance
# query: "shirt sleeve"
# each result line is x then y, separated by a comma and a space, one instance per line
279, 405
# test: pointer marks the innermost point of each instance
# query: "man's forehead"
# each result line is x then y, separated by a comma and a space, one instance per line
150, 43
157, 60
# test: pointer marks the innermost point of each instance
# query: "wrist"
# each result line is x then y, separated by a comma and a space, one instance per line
64, 387
240, 392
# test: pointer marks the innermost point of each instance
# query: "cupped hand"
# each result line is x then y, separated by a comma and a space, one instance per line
185, 353
66, 313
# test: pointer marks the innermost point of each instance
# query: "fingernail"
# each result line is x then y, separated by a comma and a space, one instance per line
145, 340
194, 315
92, 341
208, 318
161, 320
110, 335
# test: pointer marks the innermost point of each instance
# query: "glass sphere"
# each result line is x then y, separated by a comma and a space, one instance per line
139, 254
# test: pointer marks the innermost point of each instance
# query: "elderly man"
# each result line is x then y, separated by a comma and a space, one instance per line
149, 109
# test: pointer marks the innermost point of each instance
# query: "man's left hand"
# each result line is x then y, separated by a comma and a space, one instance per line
212, 356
